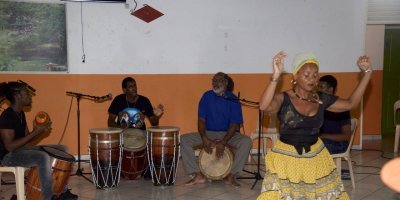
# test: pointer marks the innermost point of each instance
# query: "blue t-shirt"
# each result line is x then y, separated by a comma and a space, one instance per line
220, 112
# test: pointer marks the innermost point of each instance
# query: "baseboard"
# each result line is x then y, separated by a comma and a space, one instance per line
255, 151
87, 156
83, 157
372, 137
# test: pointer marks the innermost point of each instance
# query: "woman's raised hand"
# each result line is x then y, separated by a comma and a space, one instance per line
364, 64
277, 64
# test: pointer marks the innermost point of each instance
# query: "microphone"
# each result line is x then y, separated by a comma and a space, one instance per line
27, 85
239, 95
107, 96
104, 98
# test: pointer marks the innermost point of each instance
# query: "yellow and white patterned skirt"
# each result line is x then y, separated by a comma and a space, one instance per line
311, 175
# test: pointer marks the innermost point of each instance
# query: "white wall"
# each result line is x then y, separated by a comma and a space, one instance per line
214, 35
374, 44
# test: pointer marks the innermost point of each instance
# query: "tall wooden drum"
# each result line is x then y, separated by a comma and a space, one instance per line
105, 156
134, 156
163, 152
61, 167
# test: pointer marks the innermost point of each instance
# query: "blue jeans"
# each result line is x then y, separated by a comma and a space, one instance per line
35, 157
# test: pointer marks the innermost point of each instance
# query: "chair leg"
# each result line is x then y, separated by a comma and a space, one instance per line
351, 171
274, 139
339, 165
249, 157
396, 139
19, 183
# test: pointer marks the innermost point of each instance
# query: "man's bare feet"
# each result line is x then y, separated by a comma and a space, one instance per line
198, 179
231, 180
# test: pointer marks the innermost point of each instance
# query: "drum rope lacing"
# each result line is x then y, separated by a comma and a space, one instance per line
114, 179
174, 165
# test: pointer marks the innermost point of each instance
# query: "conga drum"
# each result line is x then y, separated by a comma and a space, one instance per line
213, 168
134, 158
61, 166
163, 152
105, 156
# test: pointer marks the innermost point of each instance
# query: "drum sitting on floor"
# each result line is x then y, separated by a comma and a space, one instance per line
61, 167
213, 168
105, 156
163, 152
134, 157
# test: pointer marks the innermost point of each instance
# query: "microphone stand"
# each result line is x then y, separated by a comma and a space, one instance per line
257, 174
79, 96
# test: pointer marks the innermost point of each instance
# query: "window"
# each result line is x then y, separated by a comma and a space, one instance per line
32, 37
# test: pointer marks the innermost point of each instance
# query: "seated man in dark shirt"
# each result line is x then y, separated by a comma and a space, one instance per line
131, 99
336, 130
15, 135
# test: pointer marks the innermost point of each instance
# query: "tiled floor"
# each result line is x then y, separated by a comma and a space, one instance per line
367, 167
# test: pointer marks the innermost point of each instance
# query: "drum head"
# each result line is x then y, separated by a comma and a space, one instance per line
215, 169
105, 130
55, 153
163, 129
134, 139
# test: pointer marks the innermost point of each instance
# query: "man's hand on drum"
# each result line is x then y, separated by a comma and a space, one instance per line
207, 144
219, 148
123, 119
142, 117
159, 110
42, 127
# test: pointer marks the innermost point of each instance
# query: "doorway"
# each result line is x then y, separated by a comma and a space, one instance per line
391, 76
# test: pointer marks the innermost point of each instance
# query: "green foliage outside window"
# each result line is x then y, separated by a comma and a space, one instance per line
32, 37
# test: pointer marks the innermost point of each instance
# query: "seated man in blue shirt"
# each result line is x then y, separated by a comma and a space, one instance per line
336, 130
219, 118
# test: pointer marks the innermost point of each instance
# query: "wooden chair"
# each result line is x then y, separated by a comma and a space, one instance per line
346, 155
397, 124
19, 179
